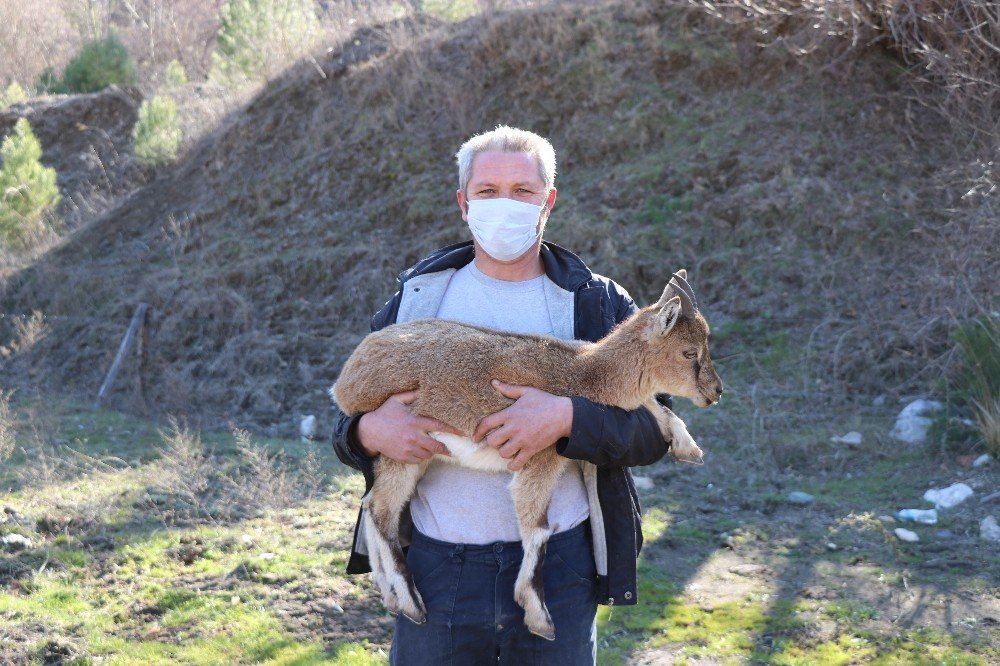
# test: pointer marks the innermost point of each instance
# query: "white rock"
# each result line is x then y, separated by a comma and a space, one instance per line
799, 497
307, 427
643, 483
15, 542
945, 498
247, 540
904, 534
982, 460
911, 430
989, 530
920, 408
266, 556
852, 438
879, 401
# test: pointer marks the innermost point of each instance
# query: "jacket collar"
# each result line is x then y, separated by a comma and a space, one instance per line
563, 267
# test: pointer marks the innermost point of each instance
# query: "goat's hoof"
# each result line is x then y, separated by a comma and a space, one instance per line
691, 455
547, 632
416, 618
697, 460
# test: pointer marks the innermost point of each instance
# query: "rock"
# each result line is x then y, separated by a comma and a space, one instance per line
944, 535
266, 556
831, 546
800, 498
247, 540
643, 483
887, 519
748, 570
925, 516
945, 498
906, 535
852, 438
14, 543
982, 460
879, 400
920, 408
911, 426
989, 530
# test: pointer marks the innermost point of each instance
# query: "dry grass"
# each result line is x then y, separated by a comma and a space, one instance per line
952, 47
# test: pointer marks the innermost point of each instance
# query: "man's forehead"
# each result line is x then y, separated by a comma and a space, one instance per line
499, 165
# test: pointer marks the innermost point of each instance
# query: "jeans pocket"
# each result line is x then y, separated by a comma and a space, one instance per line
575, 566
423, 563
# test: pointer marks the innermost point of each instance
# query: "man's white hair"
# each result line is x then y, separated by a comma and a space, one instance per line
507, 140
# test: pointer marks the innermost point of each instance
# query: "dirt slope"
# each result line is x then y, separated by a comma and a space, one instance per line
820, 211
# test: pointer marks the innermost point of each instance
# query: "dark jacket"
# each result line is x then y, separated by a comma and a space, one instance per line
612, 439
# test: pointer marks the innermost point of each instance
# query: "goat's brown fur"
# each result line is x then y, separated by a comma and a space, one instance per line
658, 350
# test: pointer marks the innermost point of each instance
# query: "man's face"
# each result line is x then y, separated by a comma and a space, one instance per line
506, 175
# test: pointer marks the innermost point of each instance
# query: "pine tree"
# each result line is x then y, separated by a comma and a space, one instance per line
255, 35
157, 133
28, 190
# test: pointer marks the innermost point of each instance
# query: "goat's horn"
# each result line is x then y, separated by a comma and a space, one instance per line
689, 306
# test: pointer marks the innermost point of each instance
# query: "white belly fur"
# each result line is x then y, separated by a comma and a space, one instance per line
467, 453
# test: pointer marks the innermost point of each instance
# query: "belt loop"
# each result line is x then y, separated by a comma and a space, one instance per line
456, 552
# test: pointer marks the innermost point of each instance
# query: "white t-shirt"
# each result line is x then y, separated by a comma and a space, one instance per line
461, 505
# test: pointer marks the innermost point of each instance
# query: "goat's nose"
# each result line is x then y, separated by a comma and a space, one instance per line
718, 389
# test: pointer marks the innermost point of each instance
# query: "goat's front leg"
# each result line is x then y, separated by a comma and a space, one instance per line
531, 490
682, 445
393, 487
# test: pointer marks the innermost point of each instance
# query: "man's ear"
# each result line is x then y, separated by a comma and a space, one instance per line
667, 316
463, 204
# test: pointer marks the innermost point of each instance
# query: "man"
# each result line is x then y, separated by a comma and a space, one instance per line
465, 548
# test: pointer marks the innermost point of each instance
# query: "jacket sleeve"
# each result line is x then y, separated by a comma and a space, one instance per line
610, 436
345, 437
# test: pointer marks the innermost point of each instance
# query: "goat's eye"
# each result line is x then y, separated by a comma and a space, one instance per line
690, 354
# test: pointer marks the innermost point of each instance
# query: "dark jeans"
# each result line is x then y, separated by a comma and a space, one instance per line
472, 617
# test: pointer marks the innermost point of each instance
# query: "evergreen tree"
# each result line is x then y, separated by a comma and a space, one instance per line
157, 133
99, 64
13, 95
255, 35
28, 190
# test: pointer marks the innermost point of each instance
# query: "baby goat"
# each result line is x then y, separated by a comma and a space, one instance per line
663, 348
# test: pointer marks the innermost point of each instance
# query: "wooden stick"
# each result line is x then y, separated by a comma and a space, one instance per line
140, 313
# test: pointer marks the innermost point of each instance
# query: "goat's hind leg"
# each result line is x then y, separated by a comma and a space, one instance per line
394, 485
532, 489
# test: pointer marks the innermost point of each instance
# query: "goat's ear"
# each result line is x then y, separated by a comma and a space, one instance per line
667, 316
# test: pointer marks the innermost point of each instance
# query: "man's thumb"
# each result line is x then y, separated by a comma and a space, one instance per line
509, 390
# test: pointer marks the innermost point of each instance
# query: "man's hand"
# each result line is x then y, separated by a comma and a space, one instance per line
534, 422
394, 431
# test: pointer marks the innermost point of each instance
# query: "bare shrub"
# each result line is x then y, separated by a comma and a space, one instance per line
192, 483
184, 475
27, 332
953, 45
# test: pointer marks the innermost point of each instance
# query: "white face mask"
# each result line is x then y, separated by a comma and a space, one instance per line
504, 228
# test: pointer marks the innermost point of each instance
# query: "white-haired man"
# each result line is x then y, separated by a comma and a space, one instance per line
465, 548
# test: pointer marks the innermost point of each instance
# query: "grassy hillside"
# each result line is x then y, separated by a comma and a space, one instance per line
819, 210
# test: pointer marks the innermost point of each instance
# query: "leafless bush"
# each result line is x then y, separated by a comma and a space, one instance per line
953, 45
27, 332
193, 483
